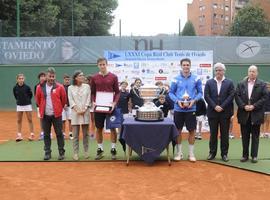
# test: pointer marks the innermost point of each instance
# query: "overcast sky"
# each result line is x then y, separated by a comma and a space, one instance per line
149, 17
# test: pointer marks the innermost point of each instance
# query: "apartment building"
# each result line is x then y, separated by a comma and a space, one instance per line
213, 17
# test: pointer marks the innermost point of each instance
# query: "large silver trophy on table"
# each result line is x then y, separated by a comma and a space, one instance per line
149, 111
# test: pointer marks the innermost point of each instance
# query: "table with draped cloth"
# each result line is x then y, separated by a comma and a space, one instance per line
148, 139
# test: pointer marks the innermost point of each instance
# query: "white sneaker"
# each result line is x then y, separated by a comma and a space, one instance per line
199, 137
179, 156
191, 158
19, 137
86, 155
76, 157
31, 137
70, 136
267, 135
231, 136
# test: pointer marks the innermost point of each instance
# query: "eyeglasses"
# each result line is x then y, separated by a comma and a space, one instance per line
219, 70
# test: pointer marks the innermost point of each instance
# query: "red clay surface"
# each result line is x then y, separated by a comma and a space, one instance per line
114, 180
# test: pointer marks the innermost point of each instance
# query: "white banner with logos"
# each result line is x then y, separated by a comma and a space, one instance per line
153, 66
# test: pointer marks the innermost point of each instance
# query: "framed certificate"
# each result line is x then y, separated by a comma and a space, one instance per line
104, 102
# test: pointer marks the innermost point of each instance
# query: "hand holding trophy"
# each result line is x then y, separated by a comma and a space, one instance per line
185, 102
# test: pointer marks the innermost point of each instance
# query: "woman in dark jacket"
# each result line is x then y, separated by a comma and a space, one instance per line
23, 96
265, 126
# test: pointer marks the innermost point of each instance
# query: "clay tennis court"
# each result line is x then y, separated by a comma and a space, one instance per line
114, 180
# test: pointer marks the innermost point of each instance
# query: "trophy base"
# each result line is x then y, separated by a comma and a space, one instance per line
148, 120
185, 104
149, 116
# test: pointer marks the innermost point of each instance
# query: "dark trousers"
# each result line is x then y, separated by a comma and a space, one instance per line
224, 125
254, 130
47, 123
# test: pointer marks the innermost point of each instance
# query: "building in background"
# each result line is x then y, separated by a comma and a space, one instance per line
264, 4
213, 17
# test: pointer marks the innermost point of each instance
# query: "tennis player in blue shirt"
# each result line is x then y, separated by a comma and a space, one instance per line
185, 90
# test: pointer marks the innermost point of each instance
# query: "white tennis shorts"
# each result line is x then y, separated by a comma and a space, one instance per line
66, 114
27, 108
200, 118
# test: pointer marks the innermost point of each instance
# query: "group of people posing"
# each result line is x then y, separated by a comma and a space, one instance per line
76, 103
250, 95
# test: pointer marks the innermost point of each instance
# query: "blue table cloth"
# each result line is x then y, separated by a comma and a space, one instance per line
148, 139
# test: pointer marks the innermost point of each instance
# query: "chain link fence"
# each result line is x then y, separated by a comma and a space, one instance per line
54, 28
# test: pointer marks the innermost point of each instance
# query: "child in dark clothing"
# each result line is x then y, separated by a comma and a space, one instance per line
124, 100
168, 100
265, 127
165, 106
41, 80
23, 96
66, 114
200, 113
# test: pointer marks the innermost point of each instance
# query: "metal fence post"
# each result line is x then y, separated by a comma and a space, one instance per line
1, 28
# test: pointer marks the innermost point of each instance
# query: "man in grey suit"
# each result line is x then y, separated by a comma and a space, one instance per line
219, 95
251, 95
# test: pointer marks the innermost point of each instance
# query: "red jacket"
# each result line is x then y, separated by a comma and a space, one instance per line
58, 95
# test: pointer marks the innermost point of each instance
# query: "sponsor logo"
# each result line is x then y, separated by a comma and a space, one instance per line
112, 55
67, 50
146, 150
136, 65
135, 72
205, 65
118, 65
160, 78
248, 49
112, 118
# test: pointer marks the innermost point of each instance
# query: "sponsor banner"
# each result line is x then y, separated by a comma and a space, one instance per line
153, 66
157, 65
28, 50
44, 50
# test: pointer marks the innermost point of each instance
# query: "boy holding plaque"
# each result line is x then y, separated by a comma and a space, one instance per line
104, 95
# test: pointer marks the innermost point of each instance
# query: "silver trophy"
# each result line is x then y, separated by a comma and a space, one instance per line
149, 111
185, 102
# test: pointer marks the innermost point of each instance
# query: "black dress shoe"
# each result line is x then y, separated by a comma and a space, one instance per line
47, 156
244, 159
61, 157
211, 157
225, 158
254, 160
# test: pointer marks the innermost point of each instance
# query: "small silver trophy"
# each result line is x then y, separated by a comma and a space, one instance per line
185, 100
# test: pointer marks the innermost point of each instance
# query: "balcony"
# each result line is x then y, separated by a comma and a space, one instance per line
240, 3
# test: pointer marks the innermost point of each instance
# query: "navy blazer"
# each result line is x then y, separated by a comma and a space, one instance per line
224, 99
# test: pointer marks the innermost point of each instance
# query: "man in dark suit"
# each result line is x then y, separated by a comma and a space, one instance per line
219, 95
251, 95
